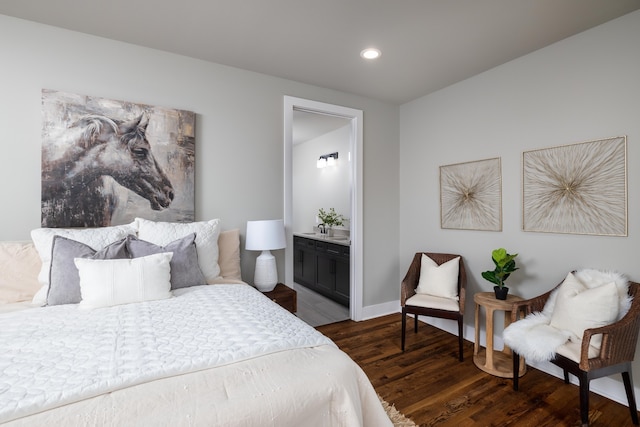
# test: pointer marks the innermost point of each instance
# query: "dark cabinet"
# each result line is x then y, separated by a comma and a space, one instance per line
304, 261
343, 284
323, 267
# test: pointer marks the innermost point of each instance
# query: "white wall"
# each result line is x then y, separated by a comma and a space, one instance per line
239, 133
329, 187
583, 88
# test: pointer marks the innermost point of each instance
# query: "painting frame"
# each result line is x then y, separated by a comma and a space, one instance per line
471, 195
106, 162
579, 188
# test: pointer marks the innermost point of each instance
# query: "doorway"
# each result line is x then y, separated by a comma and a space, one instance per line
354, 119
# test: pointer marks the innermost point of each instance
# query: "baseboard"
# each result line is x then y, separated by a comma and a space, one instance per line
607, 387
379, 310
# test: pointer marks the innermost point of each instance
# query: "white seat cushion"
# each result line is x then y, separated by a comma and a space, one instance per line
572, 350
430, 301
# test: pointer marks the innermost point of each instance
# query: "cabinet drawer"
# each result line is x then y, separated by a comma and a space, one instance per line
331, 249
304, 243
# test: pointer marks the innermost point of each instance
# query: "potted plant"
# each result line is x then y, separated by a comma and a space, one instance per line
330, 219
505, 265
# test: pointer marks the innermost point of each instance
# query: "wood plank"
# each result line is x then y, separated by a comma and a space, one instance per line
429, 385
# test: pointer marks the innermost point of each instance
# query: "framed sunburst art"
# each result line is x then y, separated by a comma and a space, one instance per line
577, 188
471, 195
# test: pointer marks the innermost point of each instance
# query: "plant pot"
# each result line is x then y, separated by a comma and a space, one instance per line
501, 292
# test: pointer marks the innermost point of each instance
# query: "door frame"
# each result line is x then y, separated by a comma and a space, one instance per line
356, 226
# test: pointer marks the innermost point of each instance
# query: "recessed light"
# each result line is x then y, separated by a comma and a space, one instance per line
370, 53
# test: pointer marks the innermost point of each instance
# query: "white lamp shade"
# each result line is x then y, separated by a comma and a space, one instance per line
265, 235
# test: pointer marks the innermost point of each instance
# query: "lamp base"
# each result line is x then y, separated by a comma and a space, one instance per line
265, 277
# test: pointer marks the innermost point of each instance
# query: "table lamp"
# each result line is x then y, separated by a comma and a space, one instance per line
265, 236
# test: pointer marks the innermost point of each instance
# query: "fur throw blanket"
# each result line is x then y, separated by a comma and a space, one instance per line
536, 339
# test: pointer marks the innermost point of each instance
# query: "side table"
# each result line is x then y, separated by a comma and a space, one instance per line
284, 296
494, 362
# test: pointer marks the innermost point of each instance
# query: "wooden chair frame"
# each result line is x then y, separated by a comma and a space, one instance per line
616, 353
408, 289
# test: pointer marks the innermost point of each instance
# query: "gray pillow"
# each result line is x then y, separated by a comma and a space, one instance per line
64, 279
185, 271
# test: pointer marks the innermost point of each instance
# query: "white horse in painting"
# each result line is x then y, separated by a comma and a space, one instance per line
73, 187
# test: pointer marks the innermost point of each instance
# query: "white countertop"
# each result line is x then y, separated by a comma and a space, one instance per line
340, 240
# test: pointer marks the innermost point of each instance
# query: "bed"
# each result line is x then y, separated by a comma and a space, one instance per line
213, 353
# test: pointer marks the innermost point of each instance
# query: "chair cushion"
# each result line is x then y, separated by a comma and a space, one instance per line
578, 308
571, 350
430, 301
439, 280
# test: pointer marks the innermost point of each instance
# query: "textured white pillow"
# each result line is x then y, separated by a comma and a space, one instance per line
439, 280
578, 308
96, 238
207, 232
105, 283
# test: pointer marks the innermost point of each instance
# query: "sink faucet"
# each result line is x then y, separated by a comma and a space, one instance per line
323, 228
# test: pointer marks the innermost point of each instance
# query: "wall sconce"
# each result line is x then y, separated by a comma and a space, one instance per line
327, 160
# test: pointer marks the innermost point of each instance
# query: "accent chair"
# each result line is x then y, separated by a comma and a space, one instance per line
443, 296
616, 353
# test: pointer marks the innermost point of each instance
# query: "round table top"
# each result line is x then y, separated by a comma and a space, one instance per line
488, 299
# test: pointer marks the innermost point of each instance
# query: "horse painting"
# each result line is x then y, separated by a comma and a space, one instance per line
78, 182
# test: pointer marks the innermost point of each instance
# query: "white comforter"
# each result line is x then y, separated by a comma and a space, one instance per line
55, 356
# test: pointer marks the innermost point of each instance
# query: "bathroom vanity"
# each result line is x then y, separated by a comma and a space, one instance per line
321, 263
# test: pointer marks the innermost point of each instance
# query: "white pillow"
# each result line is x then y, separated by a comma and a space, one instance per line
439, 280
578, 308
207, 232
592, 278
96, 238
105, 283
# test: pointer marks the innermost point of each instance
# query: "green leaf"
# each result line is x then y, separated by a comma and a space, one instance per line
491, 277
504, 265
498, 255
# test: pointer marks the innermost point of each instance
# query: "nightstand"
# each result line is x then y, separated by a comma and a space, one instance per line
284, 296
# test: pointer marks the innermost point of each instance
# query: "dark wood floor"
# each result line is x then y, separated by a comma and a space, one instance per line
430, 386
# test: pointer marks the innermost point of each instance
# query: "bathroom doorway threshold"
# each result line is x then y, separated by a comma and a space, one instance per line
317, 310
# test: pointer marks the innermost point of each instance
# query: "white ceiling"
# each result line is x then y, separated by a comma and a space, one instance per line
426, 44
